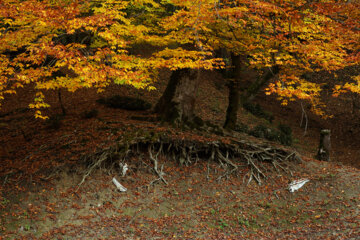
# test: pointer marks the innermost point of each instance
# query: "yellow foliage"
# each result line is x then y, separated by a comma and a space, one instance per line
94, 40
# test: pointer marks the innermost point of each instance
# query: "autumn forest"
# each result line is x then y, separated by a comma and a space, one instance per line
177, 119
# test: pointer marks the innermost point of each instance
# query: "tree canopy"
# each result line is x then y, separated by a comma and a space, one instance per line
76, 44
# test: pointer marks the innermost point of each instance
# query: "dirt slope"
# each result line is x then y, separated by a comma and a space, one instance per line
42, 164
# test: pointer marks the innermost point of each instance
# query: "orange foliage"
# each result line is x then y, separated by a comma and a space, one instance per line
92, 39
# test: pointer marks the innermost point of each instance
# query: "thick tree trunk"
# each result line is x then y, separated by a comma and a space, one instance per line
177, 103
233, 105
239, 65
240, 75
324, 145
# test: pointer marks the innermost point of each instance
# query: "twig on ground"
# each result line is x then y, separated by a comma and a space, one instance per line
134, 217
101, 159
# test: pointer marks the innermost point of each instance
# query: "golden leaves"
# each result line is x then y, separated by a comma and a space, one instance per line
180, 58
38, 104
94, 41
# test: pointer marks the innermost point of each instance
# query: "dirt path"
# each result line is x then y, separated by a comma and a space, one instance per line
193, 206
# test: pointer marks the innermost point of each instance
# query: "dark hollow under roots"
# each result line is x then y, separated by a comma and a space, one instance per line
230, 152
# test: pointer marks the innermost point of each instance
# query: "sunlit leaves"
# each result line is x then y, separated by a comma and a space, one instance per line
38, 104
69, 44
76, 44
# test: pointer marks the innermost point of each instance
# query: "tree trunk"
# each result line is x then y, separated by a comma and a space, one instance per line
324, 145
239, 65
240, 75
233, 105
177, 103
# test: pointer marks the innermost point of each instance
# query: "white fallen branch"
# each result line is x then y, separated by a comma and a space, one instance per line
297, 184
119, 186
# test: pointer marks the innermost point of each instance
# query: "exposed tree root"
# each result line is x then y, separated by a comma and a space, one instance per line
231, 153
159, 172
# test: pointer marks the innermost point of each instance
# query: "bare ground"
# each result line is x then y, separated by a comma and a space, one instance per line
193, 206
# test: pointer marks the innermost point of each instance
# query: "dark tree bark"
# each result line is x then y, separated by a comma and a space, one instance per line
239, 66
324, 145
177, 103
233, 105
236, 97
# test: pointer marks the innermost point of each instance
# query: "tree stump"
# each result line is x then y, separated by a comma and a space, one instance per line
324, 146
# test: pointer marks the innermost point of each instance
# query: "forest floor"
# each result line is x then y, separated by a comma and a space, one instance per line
42, 164
191, 206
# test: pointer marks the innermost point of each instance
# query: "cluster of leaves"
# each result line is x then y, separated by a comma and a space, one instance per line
76, 44
80, 44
